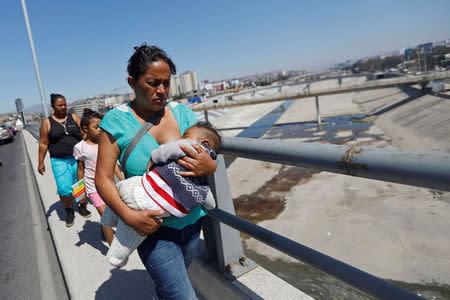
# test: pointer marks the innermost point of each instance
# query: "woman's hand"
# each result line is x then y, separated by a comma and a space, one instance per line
145, 222
41, 168
199, 163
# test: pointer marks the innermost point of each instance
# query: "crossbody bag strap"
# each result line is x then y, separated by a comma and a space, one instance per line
133, 144
146, 127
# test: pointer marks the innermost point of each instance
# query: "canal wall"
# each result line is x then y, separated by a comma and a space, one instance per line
390, 230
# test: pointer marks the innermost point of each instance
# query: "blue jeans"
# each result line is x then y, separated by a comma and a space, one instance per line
166, 254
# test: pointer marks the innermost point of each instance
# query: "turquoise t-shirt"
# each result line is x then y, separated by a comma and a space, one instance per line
123, 126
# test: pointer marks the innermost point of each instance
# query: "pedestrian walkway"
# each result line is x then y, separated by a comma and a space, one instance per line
81, 250
89, 276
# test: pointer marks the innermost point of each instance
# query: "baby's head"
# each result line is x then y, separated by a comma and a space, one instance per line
204, 133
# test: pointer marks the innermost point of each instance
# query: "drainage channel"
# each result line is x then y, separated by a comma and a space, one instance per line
260, 127
268, 201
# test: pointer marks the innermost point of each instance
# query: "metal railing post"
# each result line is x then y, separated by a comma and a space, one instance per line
223, 243
206, 116
319, 121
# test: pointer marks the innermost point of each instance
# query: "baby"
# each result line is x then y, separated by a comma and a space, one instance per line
162, 187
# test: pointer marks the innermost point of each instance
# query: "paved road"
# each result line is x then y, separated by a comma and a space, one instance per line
29, 267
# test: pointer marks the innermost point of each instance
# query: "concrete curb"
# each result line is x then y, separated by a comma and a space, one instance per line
46, 281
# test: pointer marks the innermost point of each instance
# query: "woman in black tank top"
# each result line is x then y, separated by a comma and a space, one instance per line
59, 134
63, 136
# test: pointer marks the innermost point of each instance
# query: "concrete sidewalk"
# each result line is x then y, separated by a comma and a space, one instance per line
80, 247
89, 275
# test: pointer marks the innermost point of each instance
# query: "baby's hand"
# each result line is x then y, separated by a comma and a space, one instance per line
199, 163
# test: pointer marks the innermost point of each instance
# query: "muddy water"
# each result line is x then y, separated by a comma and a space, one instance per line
269, 201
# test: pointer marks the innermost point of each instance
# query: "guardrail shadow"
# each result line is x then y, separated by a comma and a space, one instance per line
412, 93
379, 98
123, 284
91, 234
441, 95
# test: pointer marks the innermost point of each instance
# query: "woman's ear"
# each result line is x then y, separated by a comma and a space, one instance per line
131, 82
85, 128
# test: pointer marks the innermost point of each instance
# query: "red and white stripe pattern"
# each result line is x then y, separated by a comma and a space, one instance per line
161, 193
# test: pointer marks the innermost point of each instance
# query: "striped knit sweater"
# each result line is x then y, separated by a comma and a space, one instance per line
164, 184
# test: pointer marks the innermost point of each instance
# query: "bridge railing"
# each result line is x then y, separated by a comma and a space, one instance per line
318, 92
223, 244
221, 228
33, 128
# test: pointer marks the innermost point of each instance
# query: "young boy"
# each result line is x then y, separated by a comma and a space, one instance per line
161, 187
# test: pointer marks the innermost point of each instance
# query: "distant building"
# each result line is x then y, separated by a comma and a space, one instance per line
185, 84
440, 43
407, 53
175, 87
426, 48
114, 101
235, 83
95, 105
188, 82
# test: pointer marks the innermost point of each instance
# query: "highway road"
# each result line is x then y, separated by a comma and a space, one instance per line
29, 267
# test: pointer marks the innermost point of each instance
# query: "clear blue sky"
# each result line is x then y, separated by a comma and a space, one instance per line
83, 46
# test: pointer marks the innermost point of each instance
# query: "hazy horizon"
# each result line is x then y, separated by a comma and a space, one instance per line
82, 47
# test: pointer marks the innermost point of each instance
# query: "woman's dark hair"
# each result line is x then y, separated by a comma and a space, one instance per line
145, 55
211, 134
88, 115
53, 98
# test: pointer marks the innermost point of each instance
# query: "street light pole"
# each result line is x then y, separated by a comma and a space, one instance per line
36, 66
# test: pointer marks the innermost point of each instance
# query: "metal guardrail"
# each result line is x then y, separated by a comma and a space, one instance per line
33, 129
224, 247
425, 169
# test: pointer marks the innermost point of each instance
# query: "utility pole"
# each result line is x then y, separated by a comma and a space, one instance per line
36, 66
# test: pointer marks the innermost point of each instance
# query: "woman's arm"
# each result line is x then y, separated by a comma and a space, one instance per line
199, 163
140, 220
43, 145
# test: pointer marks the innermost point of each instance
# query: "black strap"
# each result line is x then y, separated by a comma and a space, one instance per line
146, 127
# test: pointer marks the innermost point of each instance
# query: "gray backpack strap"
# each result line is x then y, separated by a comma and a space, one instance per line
133, 144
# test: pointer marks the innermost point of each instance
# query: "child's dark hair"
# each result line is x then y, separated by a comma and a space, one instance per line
88, 115
53, 98
145, 55
211, 134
